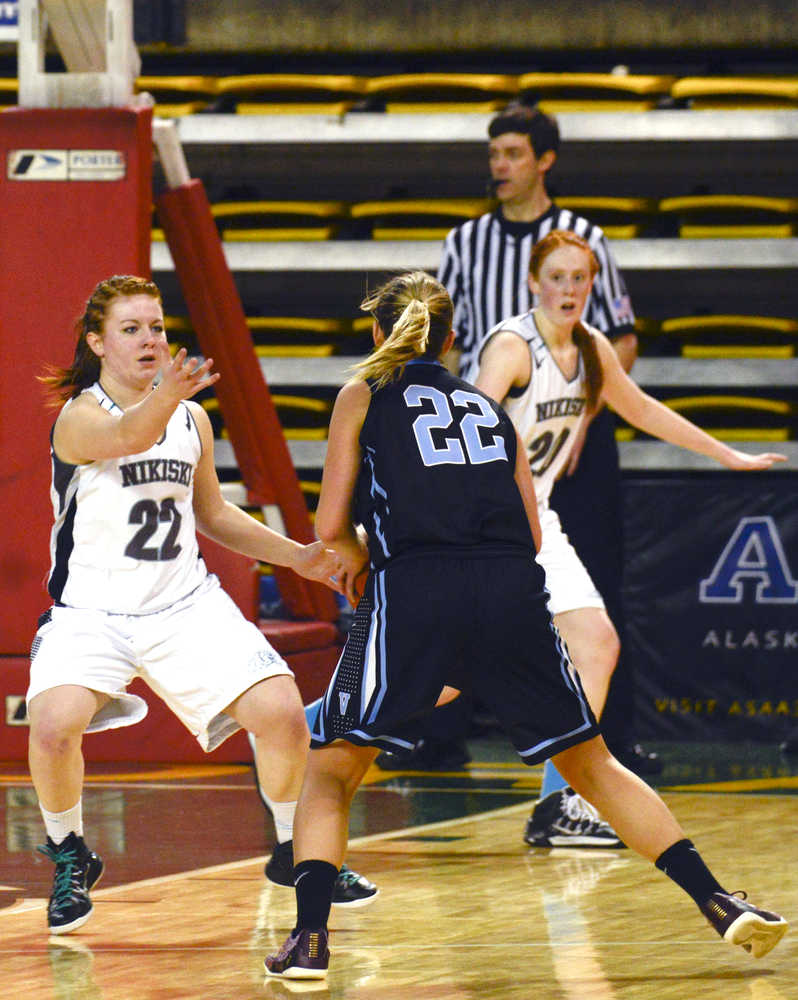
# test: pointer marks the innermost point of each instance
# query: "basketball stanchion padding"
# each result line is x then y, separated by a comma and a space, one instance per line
75, 205
250, 417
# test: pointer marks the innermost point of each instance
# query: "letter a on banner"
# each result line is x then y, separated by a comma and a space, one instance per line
754, 552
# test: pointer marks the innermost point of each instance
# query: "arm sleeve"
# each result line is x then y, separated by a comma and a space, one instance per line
609, 308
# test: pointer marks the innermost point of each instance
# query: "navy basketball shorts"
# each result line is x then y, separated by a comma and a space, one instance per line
479, 623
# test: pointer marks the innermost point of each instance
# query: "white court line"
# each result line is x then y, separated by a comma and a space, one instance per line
170, 786
231, 866
148, 949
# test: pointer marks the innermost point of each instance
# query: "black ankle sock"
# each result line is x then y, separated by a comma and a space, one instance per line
314, 882
682, 863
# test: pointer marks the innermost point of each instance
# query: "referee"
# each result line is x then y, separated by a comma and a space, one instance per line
484, 266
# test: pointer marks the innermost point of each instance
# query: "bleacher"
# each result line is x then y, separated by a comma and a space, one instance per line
326, 178
314, 205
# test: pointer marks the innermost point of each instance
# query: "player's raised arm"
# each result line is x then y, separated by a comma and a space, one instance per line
650, 415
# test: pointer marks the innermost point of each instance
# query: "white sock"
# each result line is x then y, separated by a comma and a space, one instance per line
60, 825
283, 816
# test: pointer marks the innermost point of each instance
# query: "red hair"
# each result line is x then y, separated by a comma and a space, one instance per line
553, 241
66, 383
557, 238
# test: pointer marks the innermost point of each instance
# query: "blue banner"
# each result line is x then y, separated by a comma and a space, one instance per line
711, 599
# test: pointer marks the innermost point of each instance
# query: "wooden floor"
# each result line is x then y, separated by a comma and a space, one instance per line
465, 909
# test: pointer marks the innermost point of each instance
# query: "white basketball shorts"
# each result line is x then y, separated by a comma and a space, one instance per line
198, 655
567, 581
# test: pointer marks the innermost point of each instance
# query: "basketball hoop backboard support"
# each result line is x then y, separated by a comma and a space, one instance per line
95, 39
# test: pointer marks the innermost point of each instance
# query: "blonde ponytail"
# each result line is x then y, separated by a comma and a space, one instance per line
414, 312
409, 339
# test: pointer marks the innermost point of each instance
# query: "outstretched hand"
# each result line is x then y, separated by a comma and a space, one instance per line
355, 565
743, 462
183, 378
316, 562
344, 575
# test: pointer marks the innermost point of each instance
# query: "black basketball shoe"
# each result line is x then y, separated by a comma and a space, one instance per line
304, 955
350, 888
564, 819
77, 869
739, 922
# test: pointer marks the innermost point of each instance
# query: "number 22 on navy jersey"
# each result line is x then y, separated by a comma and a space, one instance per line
437, 467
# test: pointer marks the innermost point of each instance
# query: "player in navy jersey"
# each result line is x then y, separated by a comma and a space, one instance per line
484, 265
433, 473
133, 480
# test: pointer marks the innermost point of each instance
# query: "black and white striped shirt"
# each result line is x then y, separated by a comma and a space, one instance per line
485, 265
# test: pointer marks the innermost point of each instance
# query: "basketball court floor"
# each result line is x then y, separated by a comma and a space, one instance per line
465, 910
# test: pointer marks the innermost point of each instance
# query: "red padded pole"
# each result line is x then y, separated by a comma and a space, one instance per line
75, 207
249, 414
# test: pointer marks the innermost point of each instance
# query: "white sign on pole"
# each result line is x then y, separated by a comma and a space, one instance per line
9, 21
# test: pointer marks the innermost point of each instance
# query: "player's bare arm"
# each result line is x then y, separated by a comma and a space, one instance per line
232, 527
334, 524
526, 487
505, 364
85, 432
653, 417
625, 347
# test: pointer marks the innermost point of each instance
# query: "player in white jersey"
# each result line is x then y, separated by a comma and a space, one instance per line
549, 410
548, 413
133, 479
549, 369
144, 501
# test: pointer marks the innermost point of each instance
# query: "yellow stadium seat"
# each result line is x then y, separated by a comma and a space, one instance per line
180, 333
708, 92
433, 92
303, 418
276, 336
302, 404
294, 93
732, 216
179, 95
711, 351
557, 92
177, 324
294, 350
620, 218
740, 418
416, 218
336, 109
256, 221
8, 90
733, 336
301, 336
362, 324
